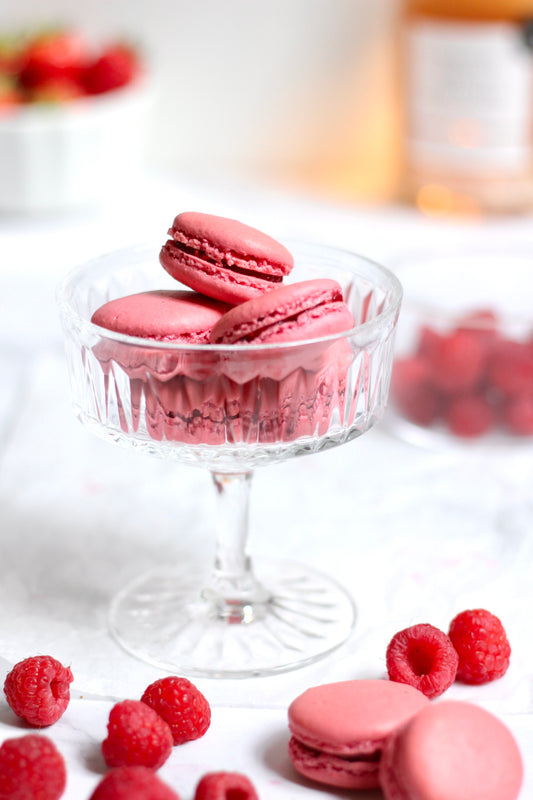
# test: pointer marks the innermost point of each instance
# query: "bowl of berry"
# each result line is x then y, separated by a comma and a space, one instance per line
71, 119
463, 368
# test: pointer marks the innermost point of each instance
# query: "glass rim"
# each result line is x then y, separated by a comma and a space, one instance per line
82, 323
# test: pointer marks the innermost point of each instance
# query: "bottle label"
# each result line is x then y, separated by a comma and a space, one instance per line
469, 96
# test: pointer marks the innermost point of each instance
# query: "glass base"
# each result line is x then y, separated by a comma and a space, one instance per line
167, 619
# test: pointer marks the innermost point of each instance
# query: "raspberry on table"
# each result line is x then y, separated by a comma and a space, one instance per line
133, 783
31, 768
482, 646
183, 707
424, 657
137, 736
38, 690
225, 786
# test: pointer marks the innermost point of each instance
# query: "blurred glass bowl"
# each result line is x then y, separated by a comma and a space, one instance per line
64, 156
463, 368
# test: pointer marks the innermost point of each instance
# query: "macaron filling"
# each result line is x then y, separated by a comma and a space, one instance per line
359, 771
371, 755
302, 321
303, 310
193, 251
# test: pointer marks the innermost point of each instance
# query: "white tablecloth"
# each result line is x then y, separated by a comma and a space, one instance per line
416, 535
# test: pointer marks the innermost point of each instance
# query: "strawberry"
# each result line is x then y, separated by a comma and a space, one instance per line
52, 56
117, 65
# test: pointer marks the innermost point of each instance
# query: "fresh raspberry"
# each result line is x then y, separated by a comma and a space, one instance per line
136, 736
31, 768
511, 368
415, 398
428, 342
458, 361
424, 657
421, 406
483, 322
409, 372
37, 689
132, 783
225, 786
517, 414
181, 705
482, 645
469, 416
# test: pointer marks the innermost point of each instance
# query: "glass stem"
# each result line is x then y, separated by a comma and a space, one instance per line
237, 596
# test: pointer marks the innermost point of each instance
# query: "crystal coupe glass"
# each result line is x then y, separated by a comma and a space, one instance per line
230, 409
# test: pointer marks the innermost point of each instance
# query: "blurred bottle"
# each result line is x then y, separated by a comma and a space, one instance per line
468, 105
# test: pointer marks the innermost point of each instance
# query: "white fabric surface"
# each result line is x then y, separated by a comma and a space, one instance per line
416, 535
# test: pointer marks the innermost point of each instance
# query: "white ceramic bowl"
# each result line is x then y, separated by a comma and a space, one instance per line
66, 156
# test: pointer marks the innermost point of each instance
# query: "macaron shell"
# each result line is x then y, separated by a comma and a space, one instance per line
228, 241
212, 280
292, 312
326, 320
452, 751
166, 316
163, 315
224, 258
332, 770
352, 717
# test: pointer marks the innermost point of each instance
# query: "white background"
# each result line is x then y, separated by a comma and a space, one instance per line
298, 89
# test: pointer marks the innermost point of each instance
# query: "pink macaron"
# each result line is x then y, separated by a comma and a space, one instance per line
294, 312
452, 750
339, 729
162, 315
166, 316
174, 393
223, 258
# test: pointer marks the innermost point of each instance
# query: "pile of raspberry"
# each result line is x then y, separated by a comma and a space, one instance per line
140, 737
475, 650
472, 379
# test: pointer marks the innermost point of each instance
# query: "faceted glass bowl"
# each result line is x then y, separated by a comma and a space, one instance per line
230, 409
253, 404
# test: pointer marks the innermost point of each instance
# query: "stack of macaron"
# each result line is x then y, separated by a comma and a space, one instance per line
235, 295
365, 734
